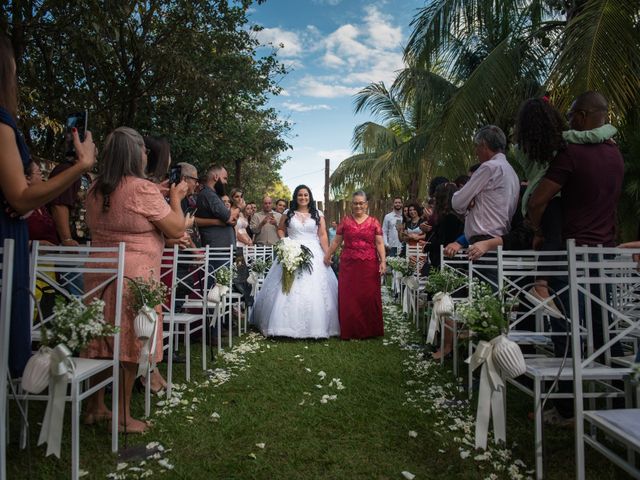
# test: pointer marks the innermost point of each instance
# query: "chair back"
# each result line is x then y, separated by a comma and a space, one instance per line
66, 270
417, 258
461, 265
257, 252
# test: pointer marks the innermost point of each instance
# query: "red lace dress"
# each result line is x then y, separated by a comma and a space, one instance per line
359, 300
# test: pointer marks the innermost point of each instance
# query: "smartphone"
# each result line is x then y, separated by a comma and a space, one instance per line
192, 211
175, 175
78, 121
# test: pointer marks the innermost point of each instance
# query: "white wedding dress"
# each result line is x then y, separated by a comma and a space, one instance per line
310, 309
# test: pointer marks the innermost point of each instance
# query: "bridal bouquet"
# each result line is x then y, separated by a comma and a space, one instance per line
294, 258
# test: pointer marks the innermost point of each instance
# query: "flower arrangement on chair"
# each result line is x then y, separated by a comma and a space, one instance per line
486, 314
72, 327
224, 276
400, 265
147, 295
440, 283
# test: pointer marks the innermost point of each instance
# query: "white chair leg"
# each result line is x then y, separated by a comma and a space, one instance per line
537, 407
75, 432
147, 393
204, 343
187, 349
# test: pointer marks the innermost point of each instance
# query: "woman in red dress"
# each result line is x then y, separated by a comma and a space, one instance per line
361, 263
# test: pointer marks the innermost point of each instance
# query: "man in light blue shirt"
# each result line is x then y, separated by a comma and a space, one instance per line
490, 198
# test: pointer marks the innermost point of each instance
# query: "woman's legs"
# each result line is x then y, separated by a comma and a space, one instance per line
448, 341
127, 380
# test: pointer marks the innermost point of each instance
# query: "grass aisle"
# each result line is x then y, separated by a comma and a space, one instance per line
282, 409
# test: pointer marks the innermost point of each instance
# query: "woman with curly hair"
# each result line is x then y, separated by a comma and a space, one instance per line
310, 308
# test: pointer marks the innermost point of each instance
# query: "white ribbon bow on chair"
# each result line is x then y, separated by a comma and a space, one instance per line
442, 307
51, 432
410, 282
146, 360
490, 400
253, 281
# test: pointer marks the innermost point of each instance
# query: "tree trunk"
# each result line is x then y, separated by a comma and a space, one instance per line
237, 180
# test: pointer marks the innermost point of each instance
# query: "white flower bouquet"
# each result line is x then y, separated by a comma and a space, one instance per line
400, 265
294, 258
75, 324
147, 295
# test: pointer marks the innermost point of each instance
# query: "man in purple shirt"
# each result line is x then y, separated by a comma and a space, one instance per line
490, 198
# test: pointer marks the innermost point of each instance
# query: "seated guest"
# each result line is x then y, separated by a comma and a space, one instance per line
123, 206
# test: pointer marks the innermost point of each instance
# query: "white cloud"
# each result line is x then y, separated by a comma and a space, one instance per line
381, 33
290, 41
314, 87
332, 60
300, 107
336, 156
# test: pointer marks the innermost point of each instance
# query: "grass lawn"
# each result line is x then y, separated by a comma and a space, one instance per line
392, 412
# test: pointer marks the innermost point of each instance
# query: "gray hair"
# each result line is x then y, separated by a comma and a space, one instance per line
121, 157
188, 170
359, 193
492, 136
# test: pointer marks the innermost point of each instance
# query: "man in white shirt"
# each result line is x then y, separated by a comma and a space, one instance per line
389, 230
490, 198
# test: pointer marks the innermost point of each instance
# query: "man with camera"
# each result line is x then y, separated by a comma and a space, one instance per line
264, 224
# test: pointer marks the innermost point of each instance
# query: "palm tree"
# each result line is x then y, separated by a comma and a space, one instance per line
385, 163
499, 52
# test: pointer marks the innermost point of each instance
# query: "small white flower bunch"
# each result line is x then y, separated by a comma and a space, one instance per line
75, 324
400, 265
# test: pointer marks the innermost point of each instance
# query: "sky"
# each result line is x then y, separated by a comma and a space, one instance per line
332, 48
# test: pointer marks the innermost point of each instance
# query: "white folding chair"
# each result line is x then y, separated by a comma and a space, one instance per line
6, 291
188, 280
599, 275
415, 282
223, 257
57, 267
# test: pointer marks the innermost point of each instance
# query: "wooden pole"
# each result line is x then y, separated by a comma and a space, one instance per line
327, 209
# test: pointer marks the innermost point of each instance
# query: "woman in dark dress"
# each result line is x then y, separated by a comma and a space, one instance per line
448, 226
362, 262
18, 198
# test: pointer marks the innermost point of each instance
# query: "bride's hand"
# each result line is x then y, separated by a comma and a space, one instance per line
327, 260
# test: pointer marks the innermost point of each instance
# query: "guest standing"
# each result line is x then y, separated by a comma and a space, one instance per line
264, 224
22, 198
123, 206
361, 263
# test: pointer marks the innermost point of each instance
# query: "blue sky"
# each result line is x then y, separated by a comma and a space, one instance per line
333, 48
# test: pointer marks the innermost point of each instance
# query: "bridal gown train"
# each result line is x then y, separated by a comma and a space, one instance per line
310, 309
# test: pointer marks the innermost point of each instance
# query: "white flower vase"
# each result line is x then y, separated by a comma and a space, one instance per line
214, 294
508, 357
442, 304
37, 372
223, 290
145, 322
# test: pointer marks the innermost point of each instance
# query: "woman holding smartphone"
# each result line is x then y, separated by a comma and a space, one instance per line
17, 196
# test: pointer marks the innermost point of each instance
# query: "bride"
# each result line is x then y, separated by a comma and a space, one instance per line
310, 309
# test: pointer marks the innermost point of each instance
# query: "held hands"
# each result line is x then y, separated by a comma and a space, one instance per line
383, 267
327, 259
86, 150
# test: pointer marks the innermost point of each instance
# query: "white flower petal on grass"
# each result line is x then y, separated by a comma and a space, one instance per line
408, 475
83, 473
321, 374
152, 445
215, 416
464, 454
413, 434
307, 369
301, 403
163, 462
318, 386
261, 445
122, 466
253, 456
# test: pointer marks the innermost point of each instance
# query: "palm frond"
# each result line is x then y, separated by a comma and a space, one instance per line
601, 52
382, 102
372, 138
